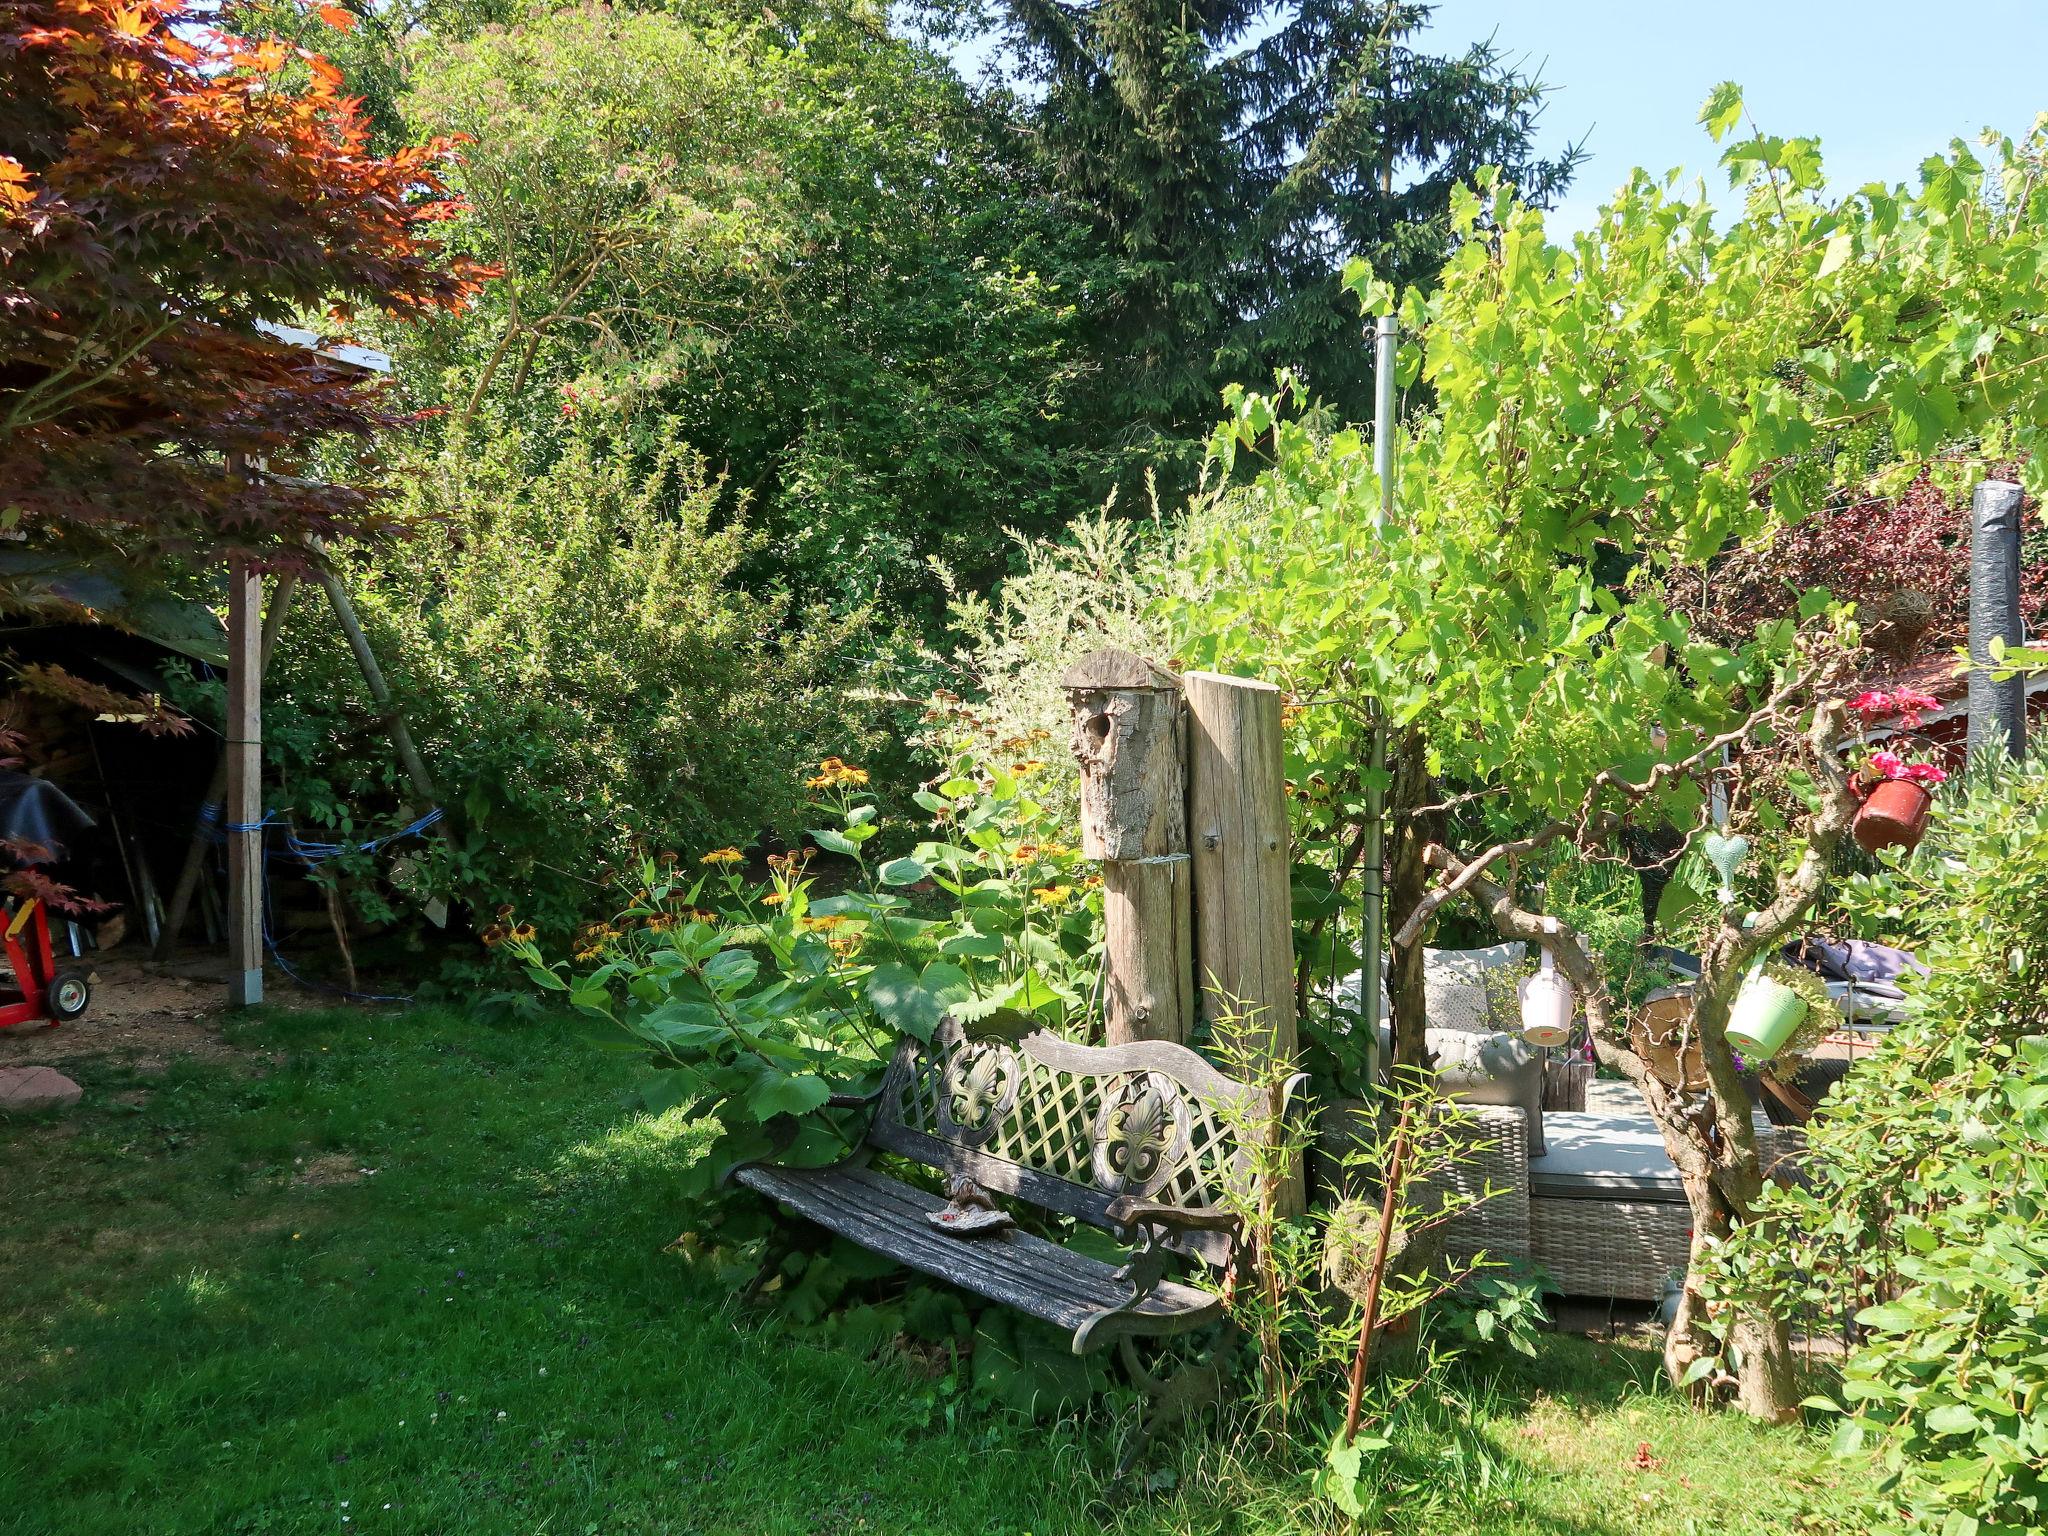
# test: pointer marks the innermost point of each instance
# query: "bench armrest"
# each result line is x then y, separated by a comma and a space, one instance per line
1127, 1212
842, 1100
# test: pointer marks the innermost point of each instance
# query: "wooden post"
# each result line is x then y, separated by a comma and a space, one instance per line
1237, 815
217, 787
243, 749
1237, 800
1128, 738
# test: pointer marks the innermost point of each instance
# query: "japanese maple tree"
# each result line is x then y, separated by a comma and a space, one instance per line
165, 189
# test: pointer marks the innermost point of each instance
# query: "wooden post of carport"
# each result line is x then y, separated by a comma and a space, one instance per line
243, 752
243, 813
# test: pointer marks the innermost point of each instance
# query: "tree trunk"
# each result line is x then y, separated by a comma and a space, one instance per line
1714, 1151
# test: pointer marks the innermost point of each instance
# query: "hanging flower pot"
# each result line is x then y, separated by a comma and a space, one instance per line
1767, 1013
1546, 1006
1894, 816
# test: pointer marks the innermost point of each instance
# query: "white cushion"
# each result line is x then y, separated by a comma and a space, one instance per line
1474, 989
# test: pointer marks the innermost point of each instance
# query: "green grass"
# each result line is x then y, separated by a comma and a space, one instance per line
210, 1322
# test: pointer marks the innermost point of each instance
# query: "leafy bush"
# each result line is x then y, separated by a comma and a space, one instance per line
584, 679
1093, 588
758, 1000
1929, 1210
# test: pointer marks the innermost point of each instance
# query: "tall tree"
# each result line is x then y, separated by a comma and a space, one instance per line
166, 189
1230, 165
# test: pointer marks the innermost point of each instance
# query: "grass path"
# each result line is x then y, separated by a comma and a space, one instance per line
404, 1272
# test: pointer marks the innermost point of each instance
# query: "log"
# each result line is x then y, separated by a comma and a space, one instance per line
1129, 740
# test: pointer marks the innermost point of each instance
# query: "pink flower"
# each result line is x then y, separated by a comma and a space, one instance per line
1927, 774
1888, 764
1872, 705
1909, 698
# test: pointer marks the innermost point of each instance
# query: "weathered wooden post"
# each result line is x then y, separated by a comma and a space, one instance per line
243, 749
1128, 739
1237, 814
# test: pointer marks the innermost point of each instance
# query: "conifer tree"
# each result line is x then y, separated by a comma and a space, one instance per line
1231, 165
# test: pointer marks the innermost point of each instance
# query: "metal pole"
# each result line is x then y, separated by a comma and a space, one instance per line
1372, 860
1997, 710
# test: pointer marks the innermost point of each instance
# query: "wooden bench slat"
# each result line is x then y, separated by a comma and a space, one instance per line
1051, 1283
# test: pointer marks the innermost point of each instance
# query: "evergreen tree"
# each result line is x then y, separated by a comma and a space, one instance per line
1231, 156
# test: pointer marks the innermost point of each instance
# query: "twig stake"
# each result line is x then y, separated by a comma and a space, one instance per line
1396, 1166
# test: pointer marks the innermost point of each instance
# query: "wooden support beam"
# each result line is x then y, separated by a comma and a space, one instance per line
243, 749
1237, 808
281, 590
1129, 739
1244, 934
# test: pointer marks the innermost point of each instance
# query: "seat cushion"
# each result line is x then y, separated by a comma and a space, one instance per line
1604, 1157
1066, 1289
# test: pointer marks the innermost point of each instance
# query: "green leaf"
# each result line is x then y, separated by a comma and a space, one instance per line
911, 1004
901, 872
776, 1093
1953, 1419
973, 946
730, 970
1722, 110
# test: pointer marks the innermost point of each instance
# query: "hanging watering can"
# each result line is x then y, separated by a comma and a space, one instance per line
1894, 816
1767, 1013
1546, 1006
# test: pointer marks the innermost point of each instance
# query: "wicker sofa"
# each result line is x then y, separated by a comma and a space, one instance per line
1602, 1211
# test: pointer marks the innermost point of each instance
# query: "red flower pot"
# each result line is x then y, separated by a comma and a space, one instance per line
1894, 816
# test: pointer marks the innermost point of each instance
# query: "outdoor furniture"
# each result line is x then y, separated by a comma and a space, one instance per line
1144, 1140
1607, 1209
1499, 1160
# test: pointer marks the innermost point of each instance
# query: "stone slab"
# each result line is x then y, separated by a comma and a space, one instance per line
25, 1089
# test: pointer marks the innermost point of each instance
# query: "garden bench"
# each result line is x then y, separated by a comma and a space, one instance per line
1142, 1140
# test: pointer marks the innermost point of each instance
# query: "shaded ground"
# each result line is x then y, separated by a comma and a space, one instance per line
143, 1014
398, 1271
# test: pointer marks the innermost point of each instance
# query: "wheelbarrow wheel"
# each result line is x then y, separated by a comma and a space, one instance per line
69, 995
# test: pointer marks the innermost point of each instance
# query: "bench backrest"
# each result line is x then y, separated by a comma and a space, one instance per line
1071, 1127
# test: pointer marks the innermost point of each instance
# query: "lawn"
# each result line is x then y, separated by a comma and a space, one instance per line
404, 1271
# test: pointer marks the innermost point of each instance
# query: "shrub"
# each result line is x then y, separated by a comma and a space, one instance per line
757, 1000
584, 678
1093, 588
1930, 1164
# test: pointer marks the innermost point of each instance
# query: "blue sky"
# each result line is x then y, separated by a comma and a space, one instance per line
1881, 83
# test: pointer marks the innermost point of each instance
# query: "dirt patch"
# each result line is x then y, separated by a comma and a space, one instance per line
138, 1010
146, 1015
329, 1170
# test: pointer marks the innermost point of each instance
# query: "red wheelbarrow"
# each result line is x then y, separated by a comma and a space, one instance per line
39, 991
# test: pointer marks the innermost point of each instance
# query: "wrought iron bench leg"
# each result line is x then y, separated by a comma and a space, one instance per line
779, 1244
1169, 1397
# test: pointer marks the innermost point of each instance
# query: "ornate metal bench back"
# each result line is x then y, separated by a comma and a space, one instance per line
1071, 1127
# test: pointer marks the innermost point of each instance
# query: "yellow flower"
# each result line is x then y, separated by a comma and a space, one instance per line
723, 856
774, 898
843, 944
1052, 895
835, 773
1025, 769
523, 933
493, 936
819, 924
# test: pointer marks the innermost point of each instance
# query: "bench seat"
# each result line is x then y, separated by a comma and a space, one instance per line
1069, 1290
